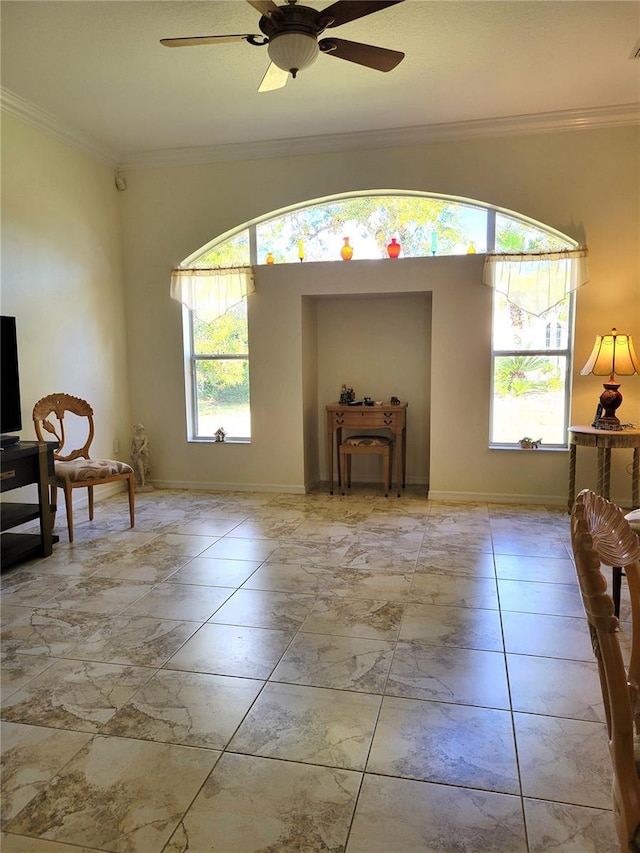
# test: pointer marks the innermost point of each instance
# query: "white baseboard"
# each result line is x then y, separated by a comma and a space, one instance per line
228, 487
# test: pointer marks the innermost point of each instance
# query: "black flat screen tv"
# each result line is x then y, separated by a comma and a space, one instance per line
10, 409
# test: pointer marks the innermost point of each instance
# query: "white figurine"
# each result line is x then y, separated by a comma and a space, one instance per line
219, 434
140, 456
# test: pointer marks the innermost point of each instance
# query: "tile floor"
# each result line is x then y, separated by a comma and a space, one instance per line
249, 672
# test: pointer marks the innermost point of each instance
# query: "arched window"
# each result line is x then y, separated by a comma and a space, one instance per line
530, 355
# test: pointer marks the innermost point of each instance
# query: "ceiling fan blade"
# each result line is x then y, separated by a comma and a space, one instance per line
265, 7
348, 10
274, 78
379, 58
198, 40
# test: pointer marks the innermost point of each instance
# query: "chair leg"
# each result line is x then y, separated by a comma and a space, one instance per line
132, 504
341, 469
348, 470
387, 473
68, 500
54, 504
90, 490
616, 588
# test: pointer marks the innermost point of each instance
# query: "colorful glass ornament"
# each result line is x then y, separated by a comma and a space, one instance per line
346, 252
393, 249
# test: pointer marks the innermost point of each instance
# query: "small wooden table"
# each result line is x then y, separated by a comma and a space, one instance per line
605, 441
388, 417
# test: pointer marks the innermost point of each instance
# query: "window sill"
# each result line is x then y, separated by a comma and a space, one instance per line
542, 448
213, 441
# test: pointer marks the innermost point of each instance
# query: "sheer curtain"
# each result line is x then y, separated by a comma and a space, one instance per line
211, 292
536, 281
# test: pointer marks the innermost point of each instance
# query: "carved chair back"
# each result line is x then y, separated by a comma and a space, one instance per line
600, 533
59, 405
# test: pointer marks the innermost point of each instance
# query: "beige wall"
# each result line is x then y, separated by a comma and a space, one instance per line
62, 279
61, 270
585, 183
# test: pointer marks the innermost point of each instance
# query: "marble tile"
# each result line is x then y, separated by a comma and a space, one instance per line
77, 695
209, 571
135, 640
447, 819
554, 599
180, 601
241, 549
547, 636
323, 555
267, 528
342, 662
187, 545
463, 676
453, 589
205, 526
463, 627
527, 544
560, 688
190, 708
259, 608
569, 829
441, 540
117, 795
564, 760
455, 561
538, 569
22, 844
438, 742
377, 585
313, 725
290, 577
46, 632
232, 650
28, 589
146, 567
16, 670
31, 756
375, 620
389, 557
108, 596
255, 805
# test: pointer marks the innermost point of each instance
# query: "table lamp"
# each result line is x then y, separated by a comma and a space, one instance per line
611, 354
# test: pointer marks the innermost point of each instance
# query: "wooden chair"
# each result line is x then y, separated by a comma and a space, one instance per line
365, 445
600, 533
74, 468
633, 518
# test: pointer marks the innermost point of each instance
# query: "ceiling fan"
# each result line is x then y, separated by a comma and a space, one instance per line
291, 35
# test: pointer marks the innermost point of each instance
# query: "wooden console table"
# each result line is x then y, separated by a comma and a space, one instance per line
21, 465
359, 418
605, 441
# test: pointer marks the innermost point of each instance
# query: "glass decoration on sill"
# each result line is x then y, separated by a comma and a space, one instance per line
471, 250
434, 243
301, 250
269, 257
346, 252
394, 248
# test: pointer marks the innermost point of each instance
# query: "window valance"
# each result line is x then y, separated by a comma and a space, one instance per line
211, 291
536, 281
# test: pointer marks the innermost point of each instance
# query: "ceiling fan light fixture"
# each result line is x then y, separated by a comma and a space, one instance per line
293, 51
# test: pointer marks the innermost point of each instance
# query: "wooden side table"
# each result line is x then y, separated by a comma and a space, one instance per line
605, 441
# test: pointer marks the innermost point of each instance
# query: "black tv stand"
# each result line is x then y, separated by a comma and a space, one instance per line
8, 441
24, 464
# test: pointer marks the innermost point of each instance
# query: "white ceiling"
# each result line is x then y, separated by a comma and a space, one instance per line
98, 70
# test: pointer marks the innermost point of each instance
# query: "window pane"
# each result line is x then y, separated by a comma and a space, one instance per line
529, 399
233, 252
223, 397
422, 226
515, 329
227, 335
515, 236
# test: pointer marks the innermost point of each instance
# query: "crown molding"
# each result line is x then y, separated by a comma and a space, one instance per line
580, 119
52, 126
594, 117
